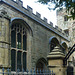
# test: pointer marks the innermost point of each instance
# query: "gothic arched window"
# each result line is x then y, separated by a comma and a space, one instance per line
18, 47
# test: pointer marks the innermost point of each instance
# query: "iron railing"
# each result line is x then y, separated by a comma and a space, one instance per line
69, 54
31, 72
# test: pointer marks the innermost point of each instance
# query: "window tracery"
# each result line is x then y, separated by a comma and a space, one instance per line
18, 47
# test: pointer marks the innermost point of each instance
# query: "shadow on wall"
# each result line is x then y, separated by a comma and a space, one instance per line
53, 41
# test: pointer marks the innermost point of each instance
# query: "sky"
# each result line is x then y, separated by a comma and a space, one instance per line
42, 9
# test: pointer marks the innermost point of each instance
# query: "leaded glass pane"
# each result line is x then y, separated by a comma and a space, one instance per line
24, 42
13, 39
19, 41
13, 62
24, 61
19, 63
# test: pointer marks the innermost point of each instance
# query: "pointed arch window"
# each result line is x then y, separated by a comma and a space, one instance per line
18, 47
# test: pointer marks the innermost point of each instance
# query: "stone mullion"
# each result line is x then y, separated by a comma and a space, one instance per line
27, 49
22, 59
22, 39
16, 60
16, 49
16, 37
22, 47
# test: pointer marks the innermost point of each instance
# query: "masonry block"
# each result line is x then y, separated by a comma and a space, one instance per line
51, 24
29, 9
19, 2
56, 27
45, 19
38, 14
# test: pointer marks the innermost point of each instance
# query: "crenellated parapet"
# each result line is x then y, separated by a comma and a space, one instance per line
29, 9
38, 15
19, 2
18, 5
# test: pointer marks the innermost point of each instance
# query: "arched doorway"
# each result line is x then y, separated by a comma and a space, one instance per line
41, 65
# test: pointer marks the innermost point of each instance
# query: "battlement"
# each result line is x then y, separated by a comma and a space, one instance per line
18, 4
29, 9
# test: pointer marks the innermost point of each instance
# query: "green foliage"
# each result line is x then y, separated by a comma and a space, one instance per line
43, 1
68, 4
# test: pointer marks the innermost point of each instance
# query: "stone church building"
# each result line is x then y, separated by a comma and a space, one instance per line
26, 40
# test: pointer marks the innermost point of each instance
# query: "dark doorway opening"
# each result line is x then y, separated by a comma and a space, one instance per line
41, 65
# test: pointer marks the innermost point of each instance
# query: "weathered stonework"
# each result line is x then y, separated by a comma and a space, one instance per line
4, 39
38, 31
69, 26
55, 61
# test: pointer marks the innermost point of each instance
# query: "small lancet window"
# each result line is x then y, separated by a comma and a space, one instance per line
65, 18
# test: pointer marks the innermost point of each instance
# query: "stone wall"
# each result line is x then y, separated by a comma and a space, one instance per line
66, 25
4, 43
42, 31
70, 26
